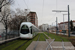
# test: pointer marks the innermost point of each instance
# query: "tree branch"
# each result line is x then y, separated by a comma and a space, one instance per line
2, 2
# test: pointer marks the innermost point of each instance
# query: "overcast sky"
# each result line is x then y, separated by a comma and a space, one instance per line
44, 8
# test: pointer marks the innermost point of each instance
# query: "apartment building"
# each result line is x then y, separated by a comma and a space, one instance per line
64, 25
33, 18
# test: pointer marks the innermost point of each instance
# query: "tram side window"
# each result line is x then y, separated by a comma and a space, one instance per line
31, 29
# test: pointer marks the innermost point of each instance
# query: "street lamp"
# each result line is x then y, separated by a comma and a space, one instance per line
68, 18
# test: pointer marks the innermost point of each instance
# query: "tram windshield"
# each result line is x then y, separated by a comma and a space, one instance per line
24, 29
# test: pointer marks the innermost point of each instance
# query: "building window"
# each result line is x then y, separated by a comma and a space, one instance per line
32, 18
33, 22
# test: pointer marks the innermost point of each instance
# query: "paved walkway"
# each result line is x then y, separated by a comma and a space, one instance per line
58, 45
39, 46
42, 45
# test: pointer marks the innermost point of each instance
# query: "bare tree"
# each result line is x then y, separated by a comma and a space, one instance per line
5, 2
20, 16
4, 14
14, 24
22, 12
5, 7
12, 13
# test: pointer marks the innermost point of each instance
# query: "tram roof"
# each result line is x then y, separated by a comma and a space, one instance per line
28, 24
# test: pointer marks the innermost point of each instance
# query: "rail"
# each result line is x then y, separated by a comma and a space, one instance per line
46, 39
63, 44
6, 44
36, 43
50, 45
21, 45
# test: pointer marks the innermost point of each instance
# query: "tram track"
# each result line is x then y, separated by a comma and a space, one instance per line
46, 39
7, 44
22, 45
52, 42
12, 44
49, 45
36, 43
62, 44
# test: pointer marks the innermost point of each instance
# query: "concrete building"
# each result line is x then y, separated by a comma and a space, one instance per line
44, 27
32, 17
40, 27
52, 28
64, 26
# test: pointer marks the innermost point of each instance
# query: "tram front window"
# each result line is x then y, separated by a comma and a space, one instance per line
24, 29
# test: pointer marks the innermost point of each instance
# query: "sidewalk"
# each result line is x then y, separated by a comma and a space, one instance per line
42, 45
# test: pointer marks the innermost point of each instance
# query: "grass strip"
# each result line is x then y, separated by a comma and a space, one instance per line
13, 46
19, 42
57, 37
7, 43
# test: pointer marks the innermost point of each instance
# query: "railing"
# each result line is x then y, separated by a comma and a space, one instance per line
10, 34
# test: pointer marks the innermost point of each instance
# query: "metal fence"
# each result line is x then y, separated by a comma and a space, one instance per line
10, 34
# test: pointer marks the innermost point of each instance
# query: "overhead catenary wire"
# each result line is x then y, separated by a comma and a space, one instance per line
56, 4
42, 9
25, 4
56, 9
52, 17
55, 13
18, 4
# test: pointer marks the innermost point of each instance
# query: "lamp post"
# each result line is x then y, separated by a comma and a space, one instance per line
68, 18
68, 22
